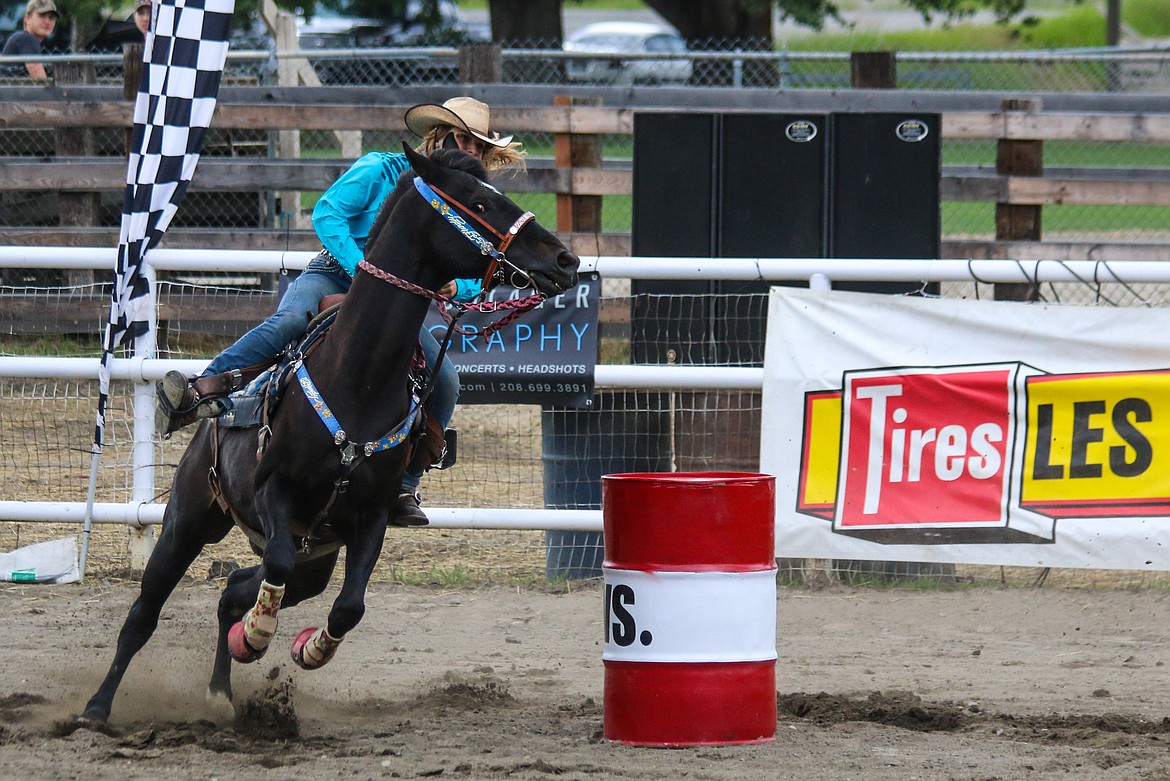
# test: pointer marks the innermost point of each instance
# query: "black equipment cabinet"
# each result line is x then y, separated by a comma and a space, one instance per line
675, 175
770, 185
884, 197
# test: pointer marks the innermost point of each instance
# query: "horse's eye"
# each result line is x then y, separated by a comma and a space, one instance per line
479, 207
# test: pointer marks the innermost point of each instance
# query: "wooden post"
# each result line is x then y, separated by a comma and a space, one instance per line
288, 142
873, 70
131, 77
76, 209
878, 70
292, 72
1018, 222
481, 63
577, 213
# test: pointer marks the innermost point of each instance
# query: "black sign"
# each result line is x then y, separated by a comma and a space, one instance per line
547, 356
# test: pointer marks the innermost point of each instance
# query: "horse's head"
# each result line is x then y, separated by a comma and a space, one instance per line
482, 233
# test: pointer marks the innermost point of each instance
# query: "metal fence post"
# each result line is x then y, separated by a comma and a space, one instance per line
143, 488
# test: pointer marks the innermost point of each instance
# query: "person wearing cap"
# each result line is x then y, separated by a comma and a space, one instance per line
142, 17
342, 220
40, 19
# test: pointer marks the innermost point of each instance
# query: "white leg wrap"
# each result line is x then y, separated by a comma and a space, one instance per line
320, 648
260, 622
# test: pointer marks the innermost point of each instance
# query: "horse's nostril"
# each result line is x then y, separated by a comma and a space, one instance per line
567, 259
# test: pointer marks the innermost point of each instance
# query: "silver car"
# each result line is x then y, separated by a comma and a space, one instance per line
607, 42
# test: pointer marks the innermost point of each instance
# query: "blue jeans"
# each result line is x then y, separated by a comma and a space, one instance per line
443, 398
322, 277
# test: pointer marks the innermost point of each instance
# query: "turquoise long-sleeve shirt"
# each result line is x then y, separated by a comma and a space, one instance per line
344, 215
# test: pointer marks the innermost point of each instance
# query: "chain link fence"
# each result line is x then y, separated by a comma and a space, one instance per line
510, 456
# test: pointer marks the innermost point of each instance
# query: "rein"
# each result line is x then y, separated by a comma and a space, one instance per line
514, 307
516, 277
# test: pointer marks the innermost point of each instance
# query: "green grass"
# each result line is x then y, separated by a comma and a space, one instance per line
65, 345
1081, 26
1150, 18
967, 217
456, 576
592, 5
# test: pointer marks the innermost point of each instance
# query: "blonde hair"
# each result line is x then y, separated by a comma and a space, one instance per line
494, 158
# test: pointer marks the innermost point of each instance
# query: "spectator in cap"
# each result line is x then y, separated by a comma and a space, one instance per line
40, 19
142, 16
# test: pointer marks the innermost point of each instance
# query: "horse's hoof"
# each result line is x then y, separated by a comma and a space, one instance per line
93, 717
318, 644
297, 650
239, 647
219, 707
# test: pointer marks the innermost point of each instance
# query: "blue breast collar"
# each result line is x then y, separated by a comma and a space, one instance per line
391, 439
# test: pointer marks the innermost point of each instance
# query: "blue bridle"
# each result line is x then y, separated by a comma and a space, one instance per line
442, 203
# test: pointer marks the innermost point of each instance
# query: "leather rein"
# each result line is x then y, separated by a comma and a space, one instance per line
495, 274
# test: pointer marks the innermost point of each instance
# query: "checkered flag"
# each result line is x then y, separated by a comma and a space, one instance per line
182, 64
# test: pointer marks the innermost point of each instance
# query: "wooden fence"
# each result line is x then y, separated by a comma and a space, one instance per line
1015, 126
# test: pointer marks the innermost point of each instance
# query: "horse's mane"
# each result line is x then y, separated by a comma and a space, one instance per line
448, 158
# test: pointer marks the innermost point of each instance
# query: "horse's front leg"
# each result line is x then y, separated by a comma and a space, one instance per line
249, 638
185, 532
314, 647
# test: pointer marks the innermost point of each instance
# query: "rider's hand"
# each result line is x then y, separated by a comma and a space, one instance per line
448, 289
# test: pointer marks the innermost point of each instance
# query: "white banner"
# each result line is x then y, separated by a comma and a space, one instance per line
982, 432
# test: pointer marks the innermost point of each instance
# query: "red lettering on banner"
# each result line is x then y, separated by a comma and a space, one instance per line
926, 448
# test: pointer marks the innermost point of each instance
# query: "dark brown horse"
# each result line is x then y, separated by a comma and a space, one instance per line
318, 481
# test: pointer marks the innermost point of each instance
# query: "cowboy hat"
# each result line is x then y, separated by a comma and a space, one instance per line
464, 113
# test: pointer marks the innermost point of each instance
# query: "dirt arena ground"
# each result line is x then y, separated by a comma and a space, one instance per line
506, 682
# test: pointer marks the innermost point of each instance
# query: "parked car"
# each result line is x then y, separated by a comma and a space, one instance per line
331, 30
327, 30
618, 38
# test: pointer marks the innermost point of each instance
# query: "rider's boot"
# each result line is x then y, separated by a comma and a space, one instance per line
168, 423
407, 512
182, 401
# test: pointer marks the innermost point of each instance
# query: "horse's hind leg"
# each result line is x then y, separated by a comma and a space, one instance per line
183, 537
237, 596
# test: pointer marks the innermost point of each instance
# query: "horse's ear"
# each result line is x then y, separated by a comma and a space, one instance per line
422, 165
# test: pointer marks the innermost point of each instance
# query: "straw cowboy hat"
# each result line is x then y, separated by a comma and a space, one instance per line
463, 113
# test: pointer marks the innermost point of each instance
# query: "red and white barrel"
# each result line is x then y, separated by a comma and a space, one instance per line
690, 608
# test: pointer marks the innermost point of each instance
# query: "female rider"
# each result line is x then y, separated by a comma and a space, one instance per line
342, 219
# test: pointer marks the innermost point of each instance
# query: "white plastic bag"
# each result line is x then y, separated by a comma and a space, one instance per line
54, 561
